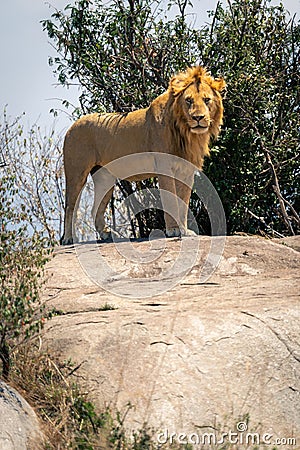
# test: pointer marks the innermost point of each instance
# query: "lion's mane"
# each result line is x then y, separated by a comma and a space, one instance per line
190, 146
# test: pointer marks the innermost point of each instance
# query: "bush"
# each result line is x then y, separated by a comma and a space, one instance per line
34, 159
22, 259
255, 164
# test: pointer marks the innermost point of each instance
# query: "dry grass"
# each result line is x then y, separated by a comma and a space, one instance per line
67, 418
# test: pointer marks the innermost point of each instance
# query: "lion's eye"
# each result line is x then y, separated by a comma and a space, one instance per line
207, 100
189, 101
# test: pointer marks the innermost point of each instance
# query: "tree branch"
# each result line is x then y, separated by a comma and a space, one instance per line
262, 220
276, 186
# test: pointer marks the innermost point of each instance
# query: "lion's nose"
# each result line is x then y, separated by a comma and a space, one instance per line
198, 118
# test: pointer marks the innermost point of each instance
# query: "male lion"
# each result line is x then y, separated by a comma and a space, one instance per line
179, 122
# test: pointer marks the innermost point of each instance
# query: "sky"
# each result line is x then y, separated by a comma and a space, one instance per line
27, 83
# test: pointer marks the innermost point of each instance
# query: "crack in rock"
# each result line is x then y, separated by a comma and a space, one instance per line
278, 336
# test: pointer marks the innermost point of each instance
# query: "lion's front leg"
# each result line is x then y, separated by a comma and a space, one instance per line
183, 192
170, 205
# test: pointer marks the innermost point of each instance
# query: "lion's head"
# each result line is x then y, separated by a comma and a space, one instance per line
195, 111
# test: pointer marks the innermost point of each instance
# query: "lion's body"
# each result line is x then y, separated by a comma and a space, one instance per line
108, 137
169, 125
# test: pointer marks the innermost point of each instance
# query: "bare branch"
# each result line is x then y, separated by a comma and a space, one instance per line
262, 220
276, 186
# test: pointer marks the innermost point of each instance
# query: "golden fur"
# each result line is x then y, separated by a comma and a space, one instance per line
179, 122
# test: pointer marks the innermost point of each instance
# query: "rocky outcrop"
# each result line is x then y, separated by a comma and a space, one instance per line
208, 354
19, 426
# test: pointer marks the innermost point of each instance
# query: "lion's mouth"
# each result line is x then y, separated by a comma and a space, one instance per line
199, 128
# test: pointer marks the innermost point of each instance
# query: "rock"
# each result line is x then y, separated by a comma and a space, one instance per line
215, 349
291, 241
19, 426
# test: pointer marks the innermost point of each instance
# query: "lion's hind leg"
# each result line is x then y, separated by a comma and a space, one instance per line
98, 214
74, 186
103, 189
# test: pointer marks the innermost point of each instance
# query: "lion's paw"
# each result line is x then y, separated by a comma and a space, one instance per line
108, 235
68, 240
173, 232
188, 232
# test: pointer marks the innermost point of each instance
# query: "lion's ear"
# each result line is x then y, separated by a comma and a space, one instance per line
219, 85
177, 84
